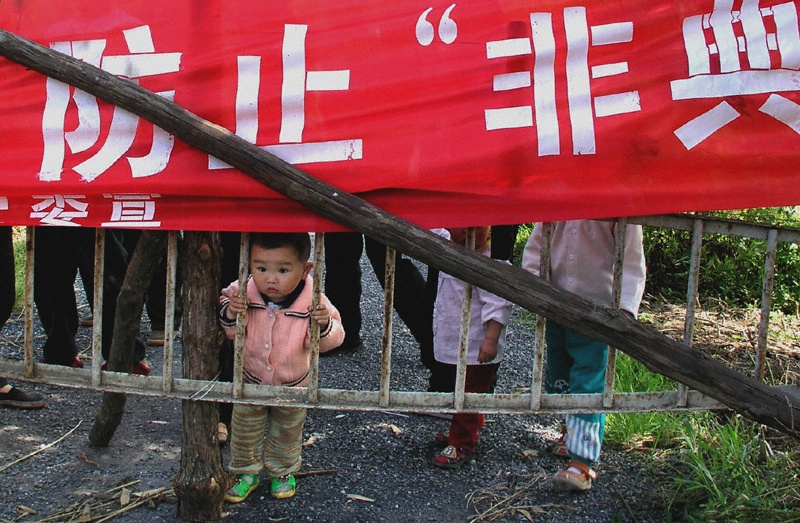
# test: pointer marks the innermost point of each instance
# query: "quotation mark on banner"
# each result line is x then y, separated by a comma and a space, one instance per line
448, 30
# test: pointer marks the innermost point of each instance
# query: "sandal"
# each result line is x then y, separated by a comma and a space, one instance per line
284, 487
222, 433
559, 448
453, 458
247, 483
577, 476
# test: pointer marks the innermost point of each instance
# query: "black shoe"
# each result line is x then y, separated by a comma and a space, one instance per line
18, 399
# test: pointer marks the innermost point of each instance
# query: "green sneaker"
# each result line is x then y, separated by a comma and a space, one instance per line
284, 487
246, 484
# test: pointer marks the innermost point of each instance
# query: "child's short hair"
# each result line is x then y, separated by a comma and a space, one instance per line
299, 241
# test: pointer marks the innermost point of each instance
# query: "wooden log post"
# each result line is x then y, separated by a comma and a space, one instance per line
657, 352
130, 303
201, 482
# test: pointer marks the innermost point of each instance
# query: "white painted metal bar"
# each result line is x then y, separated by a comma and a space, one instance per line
97, 305
766, 303
691, 298
313, 371
241, 319
30, 236
620, 234
539, 340
463, 342
169, 316
386, 339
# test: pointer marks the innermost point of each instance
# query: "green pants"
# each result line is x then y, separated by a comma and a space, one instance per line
576, 364
266, 437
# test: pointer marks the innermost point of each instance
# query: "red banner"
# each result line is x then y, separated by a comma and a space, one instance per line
485, 112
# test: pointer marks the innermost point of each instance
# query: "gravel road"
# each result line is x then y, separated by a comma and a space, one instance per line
376, 466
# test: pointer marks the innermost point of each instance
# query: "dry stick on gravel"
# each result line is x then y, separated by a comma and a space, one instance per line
627, 507
42, 449
504, 507
92, 510
315, 472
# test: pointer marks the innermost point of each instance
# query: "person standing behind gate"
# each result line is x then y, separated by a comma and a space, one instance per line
582, 254
413, 295
276, 352
487, 331
11, 396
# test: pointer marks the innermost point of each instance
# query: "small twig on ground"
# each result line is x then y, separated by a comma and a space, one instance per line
95, 509
509, 505
42, 449
315, 472
627, 507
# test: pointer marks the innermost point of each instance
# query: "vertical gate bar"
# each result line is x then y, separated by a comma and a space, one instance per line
241, 318
766, 303
691, 299
30, 235
463, 342
313, 371
169, 308
620, 234
97, 312
386, 339
539, 345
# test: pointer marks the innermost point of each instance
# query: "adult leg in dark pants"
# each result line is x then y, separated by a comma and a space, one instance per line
410, 297
60, 252
343, 282
55, 266
11, 396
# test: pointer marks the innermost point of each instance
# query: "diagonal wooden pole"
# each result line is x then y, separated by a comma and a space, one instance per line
767, 405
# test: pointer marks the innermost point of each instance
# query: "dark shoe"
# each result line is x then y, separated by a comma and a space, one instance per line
453, 458
349, 348
18, 399
75, 363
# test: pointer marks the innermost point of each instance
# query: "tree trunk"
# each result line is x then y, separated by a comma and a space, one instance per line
146, 256
656, 351
201, 481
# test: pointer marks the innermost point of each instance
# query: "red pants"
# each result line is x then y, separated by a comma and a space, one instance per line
465, 427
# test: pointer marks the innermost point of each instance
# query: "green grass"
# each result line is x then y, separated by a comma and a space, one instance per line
727, 471
721, 468
19, 267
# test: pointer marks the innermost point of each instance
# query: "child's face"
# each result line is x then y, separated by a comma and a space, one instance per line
276, 272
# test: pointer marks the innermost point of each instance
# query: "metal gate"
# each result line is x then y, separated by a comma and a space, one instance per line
532, 400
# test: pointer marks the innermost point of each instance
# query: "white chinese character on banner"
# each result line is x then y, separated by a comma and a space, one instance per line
3, 204
297, 80
59, 209
142, 62
725, 76
132, 210
583, 106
